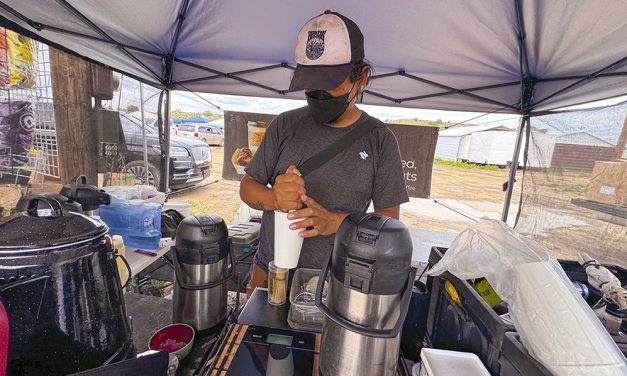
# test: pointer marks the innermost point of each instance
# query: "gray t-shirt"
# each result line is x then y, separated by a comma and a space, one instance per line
369, 169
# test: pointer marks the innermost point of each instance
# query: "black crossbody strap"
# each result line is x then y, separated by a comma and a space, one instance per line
335, 148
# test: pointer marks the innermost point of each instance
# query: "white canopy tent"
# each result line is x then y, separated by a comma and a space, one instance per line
517, 56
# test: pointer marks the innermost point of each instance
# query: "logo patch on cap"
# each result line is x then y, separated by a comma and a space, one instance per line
315, 44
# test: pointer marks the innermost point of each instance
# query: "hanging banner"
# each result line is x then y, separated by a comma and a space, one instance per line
243, 132
417, 145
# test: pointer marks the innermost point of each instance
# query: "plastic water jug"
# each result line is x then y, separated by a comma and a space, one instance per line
138, 223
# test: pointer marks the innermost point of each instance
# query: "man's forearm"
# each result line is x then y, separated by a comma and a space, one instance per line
393, 212
256, 195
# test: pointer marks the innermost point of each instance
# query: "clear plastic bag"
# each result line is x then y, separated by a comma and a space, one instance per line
555, 324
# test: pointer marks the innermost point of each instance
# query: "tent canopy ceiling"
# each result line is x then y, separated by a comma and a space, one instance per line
446, 54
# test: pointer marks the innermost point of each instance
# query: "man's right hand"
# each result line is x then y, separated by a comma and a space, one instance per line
288, 189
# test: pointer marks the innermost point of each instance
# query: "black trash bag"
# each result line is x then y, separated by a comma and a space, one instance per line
170, 220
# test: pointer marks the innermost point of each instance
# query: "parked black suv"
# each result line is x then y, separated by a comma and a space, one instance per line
190, 160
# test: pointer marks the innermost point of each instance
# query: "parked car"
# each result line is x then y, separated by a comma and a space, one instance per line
190, 160
211, 135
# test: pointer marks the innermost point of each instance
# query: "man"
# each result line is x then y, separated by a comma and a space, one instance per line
332, 71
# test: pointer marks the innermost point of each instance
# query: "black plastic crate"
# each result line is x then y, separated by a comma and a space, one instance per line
244, 241
516, 361
472, 326
241, 272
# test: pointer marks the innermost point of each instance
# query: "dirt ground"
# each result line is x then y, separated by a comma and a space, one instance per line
215, 196
221, 197
478, 189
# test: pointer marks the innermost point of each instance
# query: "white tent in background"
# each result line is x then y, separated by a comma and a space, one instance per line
518, 56
454, 143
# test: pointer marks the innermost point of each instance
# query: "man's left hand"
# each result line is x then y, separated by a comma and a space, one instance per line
323, 221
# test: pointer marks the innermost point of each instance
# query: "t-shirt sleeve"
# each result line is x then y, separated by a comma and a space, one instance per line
389, 183
262, 166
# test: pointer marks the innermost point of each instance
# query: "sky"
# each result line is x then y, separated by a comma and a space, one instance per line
192, 102
200, 102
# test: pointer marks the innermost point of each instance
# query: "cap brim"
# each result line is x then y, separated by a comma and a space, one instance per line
319, 77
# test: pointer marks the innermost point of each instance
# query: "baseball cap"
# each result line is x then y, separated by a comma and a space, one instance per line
326, 48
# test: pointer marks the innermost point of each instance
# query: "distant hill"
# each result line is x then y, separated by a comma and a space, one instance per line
425, 123
178, 114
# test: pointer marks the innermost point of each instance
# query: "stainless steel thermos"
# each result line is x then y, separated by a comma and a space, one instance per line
370, 286
201, 270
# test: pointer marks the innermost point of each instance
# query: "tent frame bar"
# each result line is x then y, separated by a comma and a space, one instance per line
457, 91
166, 153
168, 71
233, 75
567, 78
169, 57
166, 80
513, 168
584, 80
197, 66
4, 22
230, 74
449, 90
97, 29
527, 88
41, 26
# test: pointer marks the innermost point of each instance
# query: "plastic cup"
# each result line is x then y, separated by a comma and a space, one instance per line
256, 130
287, 243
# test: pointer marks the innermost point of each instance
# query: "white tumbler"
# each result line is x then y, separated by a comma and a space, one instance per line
287, 243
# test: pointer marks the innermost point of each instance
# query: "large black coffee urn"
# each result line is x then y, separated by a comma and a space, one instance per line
60, 286
201, 270
369, 292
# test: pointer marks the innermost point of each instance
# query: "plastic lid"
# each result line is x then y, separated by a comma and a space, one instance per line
244, 233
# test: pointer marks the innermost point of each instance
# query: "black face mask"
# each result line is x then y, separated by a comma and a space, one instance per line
325, 108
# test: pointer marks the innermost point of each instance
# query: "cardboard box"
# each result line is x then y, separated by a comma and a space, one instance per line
115, 178
608, 183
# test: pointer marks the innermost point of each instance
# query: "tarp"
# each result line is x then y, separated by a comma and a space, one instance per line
445, 54
193, 120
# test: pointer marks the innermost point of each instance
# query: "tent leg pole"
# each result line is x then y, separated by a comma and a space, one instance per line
524, 120
166, 132
144, 142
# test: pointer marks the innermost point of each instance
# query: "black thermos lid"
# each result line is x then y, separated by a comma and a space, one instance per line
202, 239
372, 254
